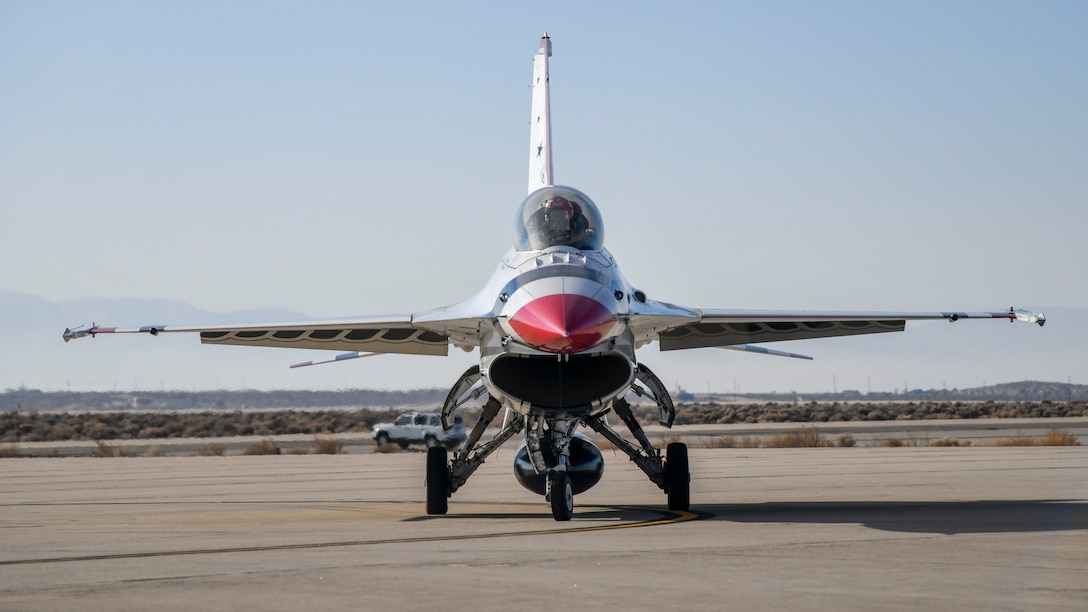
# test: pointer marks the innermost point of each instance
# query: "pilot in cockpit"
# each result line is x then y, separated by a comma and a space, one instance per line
558, 216
561, 222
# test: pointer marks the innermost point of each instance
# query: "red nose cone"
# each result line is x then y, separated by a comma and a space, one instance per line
562, 323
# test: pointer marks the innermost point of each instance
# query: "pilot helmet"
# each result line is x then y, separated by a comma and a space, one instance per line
560, 214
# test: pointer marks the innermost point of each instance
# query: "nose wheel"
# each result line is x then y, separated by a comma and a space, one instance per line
561, 496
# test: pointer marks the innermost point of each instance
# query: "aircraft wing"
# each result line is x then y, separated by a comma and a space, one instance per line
413, 334
683, 328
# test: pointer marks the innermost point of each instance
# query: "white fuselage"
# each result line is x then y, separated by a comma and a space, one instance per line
564, 310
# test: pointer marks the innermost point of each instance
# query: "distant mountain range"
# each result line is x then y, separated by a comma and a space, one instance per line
23, 313
33, 355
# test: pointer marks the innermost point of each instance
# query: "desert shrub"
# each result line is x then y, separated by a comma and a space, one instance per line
946, 441
735, 442
60, 431
1012, 441
750, 442
171, 429
222, 427
1059, 437
892, 442
1054, 437
9, 450
263, 447
27, 426
212, 450
327, 446
102, 449
845, 440
722, 442
805, 437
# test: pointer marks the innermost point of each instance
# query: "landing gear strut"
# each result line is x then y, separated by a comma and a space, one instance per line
670, 473
557, 436
445, 477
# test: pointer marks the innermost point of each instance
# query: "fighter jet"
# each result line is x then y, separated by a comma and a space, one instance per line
556, 327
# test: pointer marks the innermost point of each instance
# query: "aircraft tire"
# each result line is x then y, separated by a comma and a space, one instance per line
438, 481
677, 476
562, 496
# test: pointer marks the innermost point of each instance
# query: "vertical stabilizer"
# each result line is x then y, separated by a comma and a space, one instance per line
540, 130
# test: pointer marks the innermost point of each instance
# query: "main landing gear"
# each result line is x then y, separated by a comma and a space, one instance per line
677, 476
548, 441
438, 481
670, 473
445, 476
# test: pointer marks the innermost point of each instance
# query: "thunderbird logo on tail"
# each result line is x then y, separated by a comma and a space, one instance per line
557, 327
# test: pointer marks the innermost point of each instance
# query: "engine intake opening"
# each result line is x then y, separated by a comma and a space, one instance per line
548, 383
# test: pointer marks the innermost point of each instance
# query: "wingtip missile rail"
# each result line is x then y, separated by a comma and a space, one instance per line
80, 331
93, 330
1027, 316
1012, 315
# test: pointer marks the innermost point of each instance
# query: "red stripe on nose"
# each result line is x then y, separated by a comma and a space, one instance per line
562, 323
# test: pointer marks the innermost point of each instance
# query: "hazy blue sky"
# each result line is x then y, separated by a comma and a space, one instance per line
343, 158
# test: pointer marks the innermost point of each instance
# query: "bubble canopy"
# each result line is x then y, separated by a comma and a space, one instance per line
558, 216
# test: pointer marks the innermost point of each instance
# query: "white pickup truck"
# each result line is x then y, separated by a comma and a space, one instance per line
420, 428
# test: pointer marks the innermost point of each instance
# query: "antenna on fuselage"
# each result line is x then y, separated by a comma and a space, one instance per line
540, 129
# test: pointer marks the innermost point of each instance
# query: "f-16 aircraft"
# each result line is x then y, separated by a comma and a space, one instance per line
556, 327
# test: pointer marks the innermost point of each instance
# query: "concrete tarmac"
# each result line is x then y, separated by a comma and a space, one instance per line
989, 528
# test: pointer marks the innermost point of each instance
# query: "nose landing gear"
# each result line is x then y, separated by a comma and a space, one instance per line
561, 496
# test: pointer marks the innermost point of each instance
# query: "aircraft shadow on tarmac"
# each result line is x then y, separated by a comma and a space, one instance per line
611, 515
947, 518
